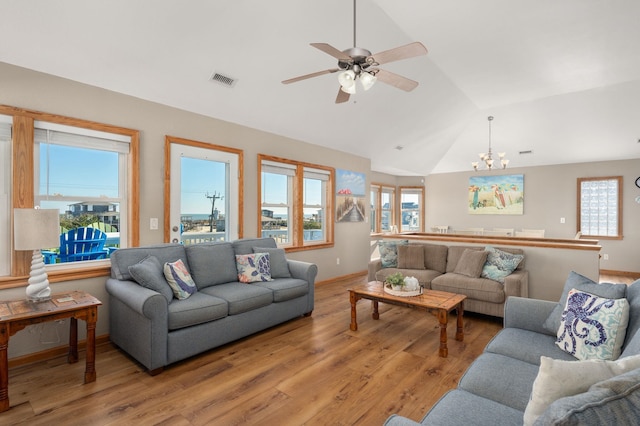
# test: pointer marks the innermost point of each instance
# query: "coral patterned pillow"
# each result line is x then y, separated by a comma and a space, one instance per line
179, 279
593, 327
253, 267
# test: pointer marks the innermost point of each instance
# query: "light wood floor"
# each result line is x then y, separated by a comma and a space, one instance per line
311, 371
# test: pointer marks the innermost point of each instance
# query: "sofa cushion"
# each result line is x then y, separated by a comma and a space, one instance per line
254, 267
246, 245
148, 273
122, 258
389, 252
286, 288
471, 262
593, 327
241, 297
410, 256
475, 288
179, 279
500, 378
435, 257
459, 407
580, 282
212, 263
277, 260
500, 264
197, 309
454, 253
424, 276
614, 401
557, 379
525, 345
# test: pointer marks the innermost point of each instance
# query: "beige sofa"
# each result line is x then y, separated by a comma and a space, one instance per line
455, 269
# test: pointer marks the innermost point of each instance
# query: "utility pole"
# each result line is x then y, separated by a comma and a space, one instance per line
213, 199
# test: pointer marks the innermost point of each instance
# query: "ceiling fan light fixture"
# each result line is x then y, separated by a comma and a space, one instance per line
347, 79
368, 80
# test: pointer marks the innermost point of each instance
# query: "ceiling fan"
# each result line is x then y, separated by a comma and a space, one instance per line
359, 64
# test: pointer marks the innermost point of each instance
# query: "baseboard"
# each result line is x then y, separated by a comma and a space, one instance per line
52, 352
343, 277
635, 275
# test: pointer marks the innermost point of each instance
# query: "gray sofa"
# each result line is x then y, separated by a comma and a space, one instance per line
496, 389
157, 329
445, 268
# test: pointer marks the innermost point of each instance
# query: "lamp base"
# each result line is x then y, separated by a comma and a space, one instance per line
38, 289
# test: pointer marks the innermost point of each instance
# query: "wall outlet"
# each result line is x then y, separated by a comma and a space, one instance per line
605, 256
562, 220
337, 260
153, 223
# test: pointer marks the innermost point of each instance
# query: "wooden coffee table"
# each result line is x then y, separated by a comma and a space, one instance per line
439, 303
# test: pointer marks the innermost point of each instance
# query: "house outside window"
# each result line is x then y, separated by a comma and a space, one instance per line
600, 207
411, 209
296, 206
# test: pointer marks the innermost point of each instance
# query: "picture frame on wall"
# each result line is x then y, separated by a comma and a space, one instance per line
496, 195
350, 196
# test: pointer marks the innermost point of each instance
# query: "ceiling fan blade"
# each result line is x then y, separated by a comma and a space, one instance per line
330, 50
313, 74
396, 80
403, 52
342, 96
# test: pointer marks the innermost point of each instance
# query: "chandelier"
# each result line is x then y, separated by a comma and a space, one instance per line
487, 157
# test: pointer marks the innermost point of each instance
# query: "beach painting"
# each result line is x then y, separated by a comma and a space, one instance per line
350, 196
496, 194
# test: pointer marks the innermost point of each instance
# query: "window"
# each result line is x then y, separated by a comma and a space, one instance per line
295, 202
382, 208
411, 209
87, 170
82, 173
600, 207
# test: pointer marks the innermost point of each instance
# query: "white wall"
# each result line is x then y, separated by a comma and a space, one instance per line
28, 89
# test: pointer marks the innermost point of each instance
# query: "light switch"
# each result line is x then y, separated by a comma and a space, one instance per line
153, 223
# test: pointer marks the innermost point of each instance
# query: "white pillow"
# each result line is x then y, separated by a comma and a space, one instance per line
593, 327
558, 378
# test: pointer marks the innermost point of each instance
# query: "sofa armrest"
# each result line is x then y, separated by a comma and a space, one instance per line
308, 272
140, 299
373, 267
517, 284
527, 314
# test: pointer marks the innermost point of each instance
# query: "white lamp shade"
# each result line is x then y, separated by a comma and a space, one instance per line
350, 90
367, 80
347, 79
36, 228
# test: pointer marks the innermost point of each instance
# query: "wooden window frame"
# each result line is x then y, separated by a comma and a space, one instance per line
392, 220
23, 191
421, 209
297, 235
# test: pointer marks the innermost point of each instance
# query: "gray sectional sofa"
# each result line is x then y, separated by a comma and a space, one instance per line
497, 388
157, 329
449, 268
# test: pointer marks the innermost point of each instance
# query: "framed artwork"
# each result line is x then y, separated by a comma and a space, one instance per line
496, 194
350, 196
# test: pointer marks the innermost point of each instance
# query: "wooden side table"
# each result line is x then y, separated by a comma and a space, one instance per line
17, 314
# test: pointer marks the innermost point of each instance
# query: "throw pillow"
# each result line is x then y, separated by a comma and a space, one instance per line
148, 273
253, 267
500, 264
471, 263
389, 252
593, 327
179, 279
582, 283
558, 378
277, 261
410, 257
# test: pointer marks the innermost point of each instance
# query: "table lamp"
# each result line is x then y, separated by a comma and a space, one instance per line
35, 229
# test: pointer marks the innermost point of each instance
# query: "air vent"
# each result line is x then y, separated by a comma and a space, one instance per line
223, 79
525, 152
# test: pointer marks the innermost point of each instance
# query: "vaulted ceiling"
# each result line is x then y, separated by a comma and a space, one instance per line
561, 78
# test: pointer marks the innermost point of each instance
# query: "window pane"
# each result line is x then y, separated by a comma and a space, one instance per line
314, 210
374, 209
410, 209
276, 207
599, 209
5, 182
386, 214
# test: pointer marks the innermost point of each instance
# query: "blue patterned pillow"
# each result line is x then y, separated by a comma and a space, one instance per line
593, 327
253, 267
179, 279
389, 252
499, 264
